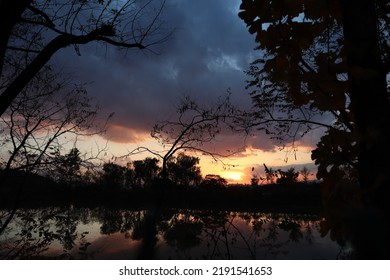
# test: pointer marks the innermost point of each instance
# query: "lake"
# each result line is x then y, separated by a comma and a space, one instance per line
101, 233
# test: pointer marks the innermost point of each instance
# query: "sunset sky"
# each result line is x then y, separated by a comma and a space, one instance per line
206, 55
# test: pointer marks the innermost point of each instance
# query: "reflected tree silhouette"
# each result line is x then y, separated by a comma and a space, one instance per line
58, 233
112, 221
22, 244
267, 228
66, 224
182, 231
138, 229
34, 232
149, 234
130, 221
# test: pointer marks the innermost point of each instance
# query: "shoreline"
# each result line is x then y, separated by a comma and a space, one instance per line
270, 198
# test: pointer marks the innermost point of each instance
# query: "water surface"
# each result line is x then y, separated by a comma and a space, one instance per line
100, 233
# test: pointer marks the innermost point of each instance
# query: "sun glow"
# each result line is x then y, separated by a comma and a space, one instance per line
233, 176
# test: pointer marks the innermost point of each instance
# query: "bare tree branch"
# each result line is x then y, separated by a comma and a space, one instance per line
48, 26
194, 127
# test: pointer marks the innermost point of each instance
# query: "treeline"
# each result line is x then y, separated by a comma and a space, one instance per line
70, 170
139, 184
182, 171
279, 176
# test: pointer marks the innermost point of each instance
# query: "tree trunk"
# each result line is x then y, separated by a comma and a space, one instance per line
10, 13
164, 173
370, 107
18, 84
369, 97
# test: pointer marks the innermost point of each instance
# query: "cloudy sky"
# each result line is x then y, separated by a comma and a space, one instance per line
206, 55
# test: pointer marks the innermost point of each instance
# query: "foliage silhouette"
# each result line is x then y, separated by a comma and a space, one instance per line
113, 175
305, 172
146, 171
328, 59
69, 166
46, 115
212, 181
184, 171
193, 129
288, 177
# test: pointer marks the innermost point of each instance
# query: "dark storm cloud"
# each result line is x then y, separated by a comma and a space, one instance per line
205, 56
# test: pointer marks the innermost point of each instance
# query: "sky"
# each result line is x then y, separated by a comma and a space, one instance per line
206, 55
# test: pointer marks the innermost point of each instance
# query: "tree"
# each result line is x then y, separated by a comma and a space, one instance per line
130, 179
212, 181
42, 120
146, 171
305, 172
33, 31
287, 177
327, 58
255, 180
68, 166
183, 170
113, 175
270, 174
194, 128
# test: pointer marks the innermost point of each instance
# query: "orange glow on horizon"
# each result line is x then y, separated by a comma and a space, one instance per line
232, 176
236, 170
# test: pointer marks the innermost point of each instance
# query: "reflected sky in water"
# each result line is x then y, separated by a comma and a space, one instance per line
70, 233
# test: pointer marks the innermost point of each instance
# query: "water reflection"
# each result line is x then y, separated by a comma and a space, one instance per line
81, 233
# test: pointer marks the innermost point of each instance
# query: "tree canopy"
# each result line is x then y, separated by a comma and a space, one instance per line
324, 64
312, 63
184, 171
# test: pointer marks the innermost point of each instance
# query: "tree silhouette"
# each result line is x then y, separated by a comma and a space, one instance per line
113, 175
68, 166
195, 126
182, 231
287, 177
305, 172
270, 174
330, 59
212, 181
255, 180
33, 31
45, 117
146, 171
183, 170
